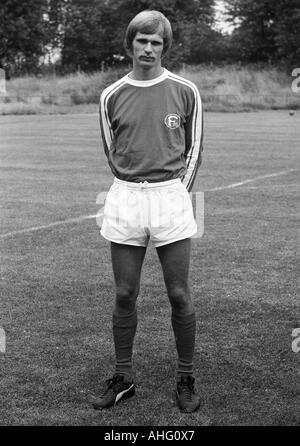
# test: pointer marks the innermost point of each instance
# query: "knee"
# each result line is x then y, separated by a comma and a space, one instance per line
126, 298
180, 300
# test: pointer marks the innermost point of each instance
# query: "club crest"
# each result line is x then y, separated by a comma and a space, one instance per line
172, 121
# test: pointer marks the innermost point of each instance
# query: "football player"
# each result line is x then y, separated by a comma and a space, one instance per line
152, 129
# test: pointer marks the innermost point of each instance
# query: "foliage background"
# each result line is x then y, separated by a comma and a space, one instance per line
88, 34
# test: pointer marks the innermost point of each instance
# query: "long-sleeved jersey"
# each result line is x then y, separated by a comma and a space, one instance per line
152, 130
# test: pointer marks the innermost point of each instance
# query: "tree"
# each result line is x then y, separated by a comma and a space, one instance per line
254, 37
23, 32
266, 30
90, 33
82, 39
94, 30
287, 38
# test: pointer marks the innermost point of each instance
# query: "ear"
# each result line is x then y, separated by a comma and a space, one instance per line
129, 52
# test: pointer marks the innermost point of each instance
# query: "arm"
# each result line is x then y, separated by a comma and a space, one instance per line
105, 125
193, 139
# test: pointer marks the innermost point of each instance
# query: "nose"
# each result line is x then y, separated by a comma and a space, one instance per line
148, 48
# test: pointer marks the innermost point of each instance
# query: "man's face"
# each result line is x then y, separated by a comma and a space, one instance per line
147, 50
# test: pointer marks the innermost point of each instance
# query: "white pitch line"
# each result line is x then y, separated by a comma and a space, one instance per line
87, 217
50, 225
250, 180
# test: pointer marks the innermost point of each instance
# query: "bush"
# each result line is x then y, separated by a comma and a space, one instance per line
223, 88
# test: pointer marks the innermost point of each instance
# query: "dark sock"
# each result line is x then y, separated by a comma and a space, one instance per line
184, 327
124, 328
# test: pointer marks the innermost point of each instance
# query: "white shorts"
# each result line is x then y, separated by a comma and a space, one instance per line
135, 213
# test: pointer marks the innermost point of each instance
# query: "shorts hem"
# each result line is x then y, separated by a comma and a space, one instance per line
168, 242
124, 243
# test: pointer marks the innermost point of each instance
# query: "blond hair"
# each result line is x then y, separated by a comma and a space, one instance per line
149, 22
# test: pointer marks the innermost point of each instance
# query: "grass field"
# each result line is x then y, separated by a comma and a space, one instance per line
57, 289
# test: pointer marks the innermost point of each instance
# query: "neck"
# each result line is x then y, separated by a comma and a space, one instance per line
141, 74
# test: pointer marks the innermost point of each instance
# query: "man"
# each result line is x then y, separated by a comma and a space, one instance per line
151, 125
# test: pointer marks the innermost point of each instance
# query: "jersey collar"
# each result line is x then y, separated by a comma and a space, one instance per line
149, 82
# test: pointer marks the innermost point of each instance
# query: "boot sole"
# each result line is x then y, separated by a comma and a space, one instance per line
127, 393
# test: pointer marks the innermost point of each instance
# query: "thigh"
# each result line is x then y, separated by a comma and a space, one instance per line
175, 262
127, 261
122, 219
172, 217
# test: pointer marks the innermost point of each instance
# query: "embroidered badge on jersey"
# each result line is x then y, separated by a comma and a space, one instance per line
172, 121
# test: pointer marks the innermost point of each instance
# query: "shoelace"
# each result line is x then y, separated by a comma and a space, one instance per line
110, 383
187, 389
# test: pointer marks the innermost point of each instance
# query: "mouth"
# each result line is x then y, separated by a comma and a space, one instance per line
147, 59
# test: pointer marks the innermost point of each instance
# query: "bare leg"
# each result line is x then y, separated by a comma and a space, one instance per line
127, 264
175, 260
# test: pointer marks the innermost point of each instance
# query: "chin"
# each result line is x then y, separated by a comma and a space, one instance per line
145, 64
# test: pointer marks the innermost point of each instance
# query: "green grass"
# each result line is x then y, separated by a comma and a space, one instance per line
57, 287
230, 88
